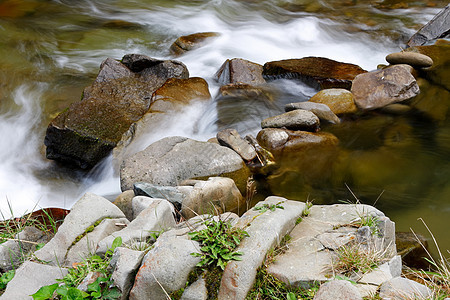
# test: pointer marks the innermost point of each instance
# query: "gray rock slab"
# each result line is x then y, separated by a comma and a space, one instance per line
165, 268
29, 278
14, 252
230, 138
342, 214
300, 269
196, 291
173, 159
170, 193
265, 229
380, 88
85, 212
337, 289
140, 203
214, 196
155, 218
438, 27
321, 110
298, 119
88, 244
401, 288
125, 263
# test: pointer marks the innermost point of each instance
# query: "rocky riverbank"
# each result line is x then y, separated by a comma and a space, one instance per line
175, 185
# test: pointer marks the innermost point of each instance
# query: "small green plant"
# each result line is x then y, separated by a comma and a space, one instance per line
266, 207
307, 210
356, 259
5, 278
218, 241
366, 219
100, 289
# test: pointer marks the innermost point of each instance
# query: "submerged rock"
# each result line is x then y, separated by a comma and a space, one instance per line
190, 42
318, 72
340, 101
88, 130
240, 71
379, 88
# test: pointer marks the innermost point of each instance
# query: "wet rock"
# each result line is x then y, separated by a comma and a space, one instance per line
85, 213
318, 72
245, 91
30, 277
176, 93
340, 101
215, 196
14, 252
438, 27
190, 42
377, 89
88, 130
400, 288
295, 120
230, 138
416, 60
322, 111
173, 159
337, 289
265, 231
166, 267
272, 138
158, 216
240, 71
125, 264
410, 248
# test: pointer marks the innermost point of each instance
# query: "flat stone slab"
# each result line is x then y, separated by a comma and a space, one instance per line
265, 229
298, 119
85, 213
29, 278
152, 220
322, 111
311, 251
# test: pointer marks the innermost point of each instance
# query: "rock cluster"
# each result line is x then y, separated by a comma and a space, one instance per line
316, 235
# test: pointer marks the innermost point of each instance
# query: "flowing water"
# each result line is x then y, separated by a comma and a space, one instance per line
51, 50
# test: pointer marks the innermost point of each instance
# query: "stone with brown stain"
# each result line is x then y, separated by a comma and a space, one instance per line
190, 42
340, 101
318, 72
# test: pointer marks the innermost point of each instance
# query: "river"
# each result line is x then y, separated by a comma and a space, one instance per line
51, 50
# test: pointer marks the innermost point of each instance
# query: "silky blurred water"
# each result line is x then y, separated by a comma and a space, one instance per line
51, 50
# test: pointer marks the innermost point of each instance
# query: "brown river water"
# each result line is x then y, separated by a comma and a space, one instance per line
51, 50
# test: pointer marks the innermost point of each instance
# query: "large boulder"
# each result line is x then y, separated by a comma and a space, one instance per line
318, 72
380, 88
88, 130
171, 98
438, 27
240, 71
192, 41
174, 159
